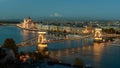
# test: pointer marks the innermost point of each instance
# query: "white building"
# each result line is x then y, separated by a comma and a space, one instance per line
28, 24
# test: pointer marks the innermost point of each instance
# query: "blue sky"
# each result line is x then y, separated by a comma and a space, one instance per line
104, 9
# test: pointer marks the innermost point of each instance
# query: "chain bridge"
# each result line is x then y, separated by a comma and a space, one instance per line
44, 38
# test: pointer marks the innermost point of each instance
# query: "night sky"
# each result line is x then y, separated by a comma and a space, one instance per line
18, 9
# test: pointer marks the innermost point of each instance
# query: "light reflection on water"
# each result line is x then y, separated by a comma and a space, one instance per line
71, 53
100, 55
16, 33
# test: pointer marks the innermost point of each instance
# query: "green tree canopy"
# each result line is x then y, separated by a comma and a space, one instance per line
10, 44
79, 63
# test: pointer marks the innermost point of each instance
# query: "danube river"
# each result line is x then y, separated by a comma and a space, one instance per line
99, 55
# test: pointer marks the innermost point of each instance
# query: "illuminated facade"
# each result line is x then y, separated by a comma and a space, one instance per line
87, 30
28, 24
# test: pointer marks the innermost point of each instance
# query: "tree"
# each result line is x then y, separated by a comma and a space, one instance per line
10, 44
79, 63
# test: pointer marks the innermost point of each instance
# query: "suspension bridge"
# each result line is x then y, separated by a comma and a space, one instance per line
44, 38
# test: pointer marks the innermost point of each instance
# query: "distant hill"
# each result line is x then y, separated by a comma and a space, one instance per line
9, 22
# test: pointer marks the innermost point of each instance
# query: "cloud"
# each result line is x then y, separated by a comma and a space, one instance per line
56, 14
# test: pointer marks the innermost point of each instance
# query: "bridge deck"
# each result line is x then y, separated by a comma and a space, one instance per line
33, 41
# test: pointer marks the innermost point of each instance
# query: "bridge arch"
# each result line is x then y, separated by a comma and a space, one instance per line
42, 42
98, 34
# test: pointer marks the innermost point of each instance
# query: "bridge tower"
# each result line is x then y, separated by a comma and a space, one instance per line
42, 42
98, 35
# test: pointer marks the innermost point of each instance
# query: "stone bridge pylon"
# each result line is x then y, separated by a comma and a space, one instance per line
42, 41
98, 34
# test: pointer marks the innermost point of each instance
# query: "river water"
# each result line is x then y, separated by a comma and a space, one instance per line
99, 55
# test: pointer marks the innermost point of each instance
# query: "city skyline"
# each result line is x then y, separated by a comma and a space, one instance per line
94, 9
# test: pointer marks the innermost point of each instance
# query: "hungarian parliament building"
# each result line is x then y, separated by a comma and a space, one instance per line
28, 24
